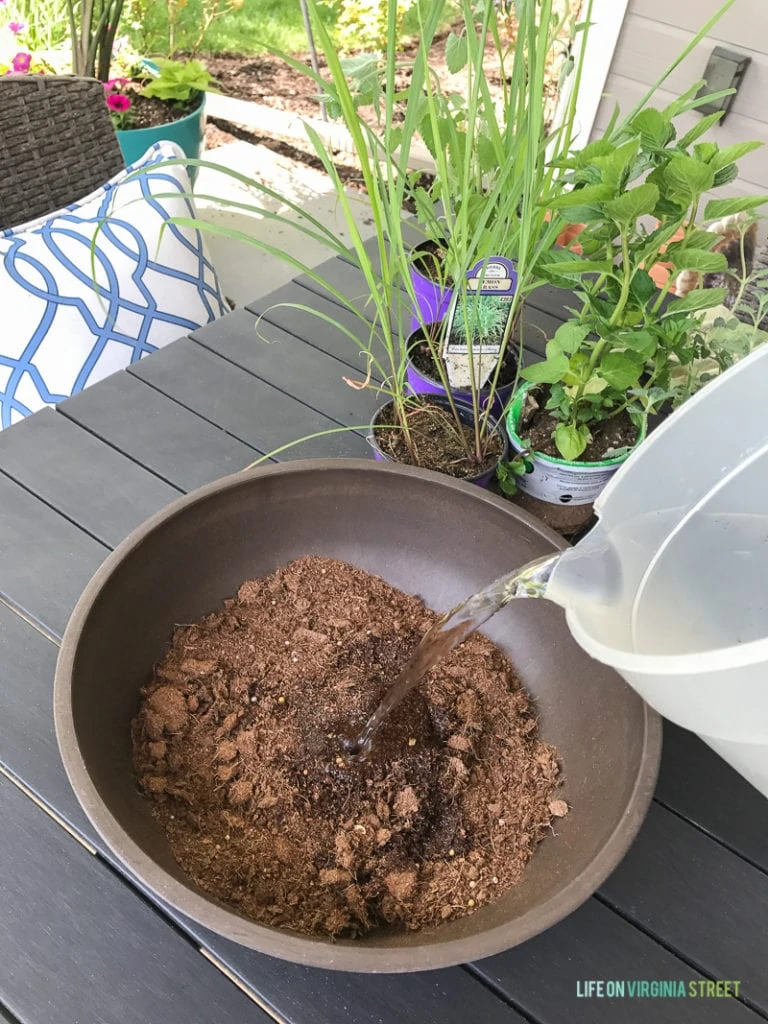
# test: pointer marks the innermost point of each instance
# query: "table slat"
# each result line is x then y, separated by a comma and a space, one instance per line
697, 898
281, 310
298, 369
45, 560
697, 784
308, 995
160, 434
28, 747
78, 945
243, 405
80, 476
595, 943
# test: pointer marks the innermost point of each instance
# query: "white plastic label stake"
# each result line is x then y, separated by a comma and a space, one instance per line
493, 281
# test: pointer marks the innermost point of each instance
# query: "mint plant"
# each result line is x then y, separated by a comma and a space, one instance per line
618, 351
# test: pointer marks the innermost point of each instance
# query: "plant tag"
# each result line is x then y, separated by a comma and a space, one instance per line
491, 286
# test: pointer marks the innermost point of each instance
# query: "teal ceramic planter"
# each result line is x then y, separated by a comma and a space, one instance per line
187, 132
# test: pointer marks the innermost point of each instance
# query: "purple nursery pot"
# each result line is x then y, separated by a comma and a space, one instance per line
432, 298
420, 384
466, 415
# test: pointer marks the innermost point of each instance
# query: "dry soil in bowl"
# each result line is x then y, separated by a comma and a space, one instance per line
238, 744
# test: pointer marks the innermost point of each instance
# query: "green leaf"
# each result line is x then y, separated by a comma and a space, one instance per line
730, 154
688, 176
577, 266
717, 208
699, 298
546, 372
595, 385
582, 196
642, 286
486, 154
613, 166
633, 204
587, 214
698, 238
571, 441
726, 175
393, 139
455, 53
642, 342
655, 128
699, 129
600, 147
621, 369
569, 336
698, 259
706, 151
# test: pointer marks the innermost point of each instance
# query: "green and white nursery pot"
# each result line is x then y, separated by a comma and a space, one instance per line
560, 481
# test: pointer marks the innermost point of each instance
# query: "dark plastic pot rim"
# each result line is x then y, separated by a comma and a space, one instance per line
301, 949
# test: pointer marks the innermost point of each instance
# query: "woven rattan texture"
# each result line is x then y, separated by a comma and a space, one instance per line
57, 144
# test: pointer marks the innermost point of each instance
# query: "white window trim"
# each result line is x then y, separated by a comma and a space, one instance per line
607, 21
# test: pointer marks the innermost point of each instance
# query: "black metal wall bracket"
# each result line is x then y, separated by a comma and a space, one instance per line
725, 70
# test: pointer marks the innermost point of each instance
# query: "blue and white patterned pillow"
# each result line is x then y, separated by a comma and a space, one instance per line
58, 332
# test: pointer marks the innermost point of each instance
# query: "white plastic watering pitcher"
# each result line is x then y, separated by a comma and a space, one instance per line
671, 587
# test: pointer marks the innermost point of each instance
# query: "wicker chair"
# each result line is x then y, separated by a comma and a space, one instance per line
57, 144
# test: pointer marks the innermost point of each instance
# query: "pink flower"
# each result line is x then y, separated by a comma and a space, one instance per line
16, 27
21, 62
113, 83
118, 103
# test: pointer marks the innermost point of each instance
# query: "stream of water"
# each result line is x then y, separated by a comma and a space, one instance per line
448, 632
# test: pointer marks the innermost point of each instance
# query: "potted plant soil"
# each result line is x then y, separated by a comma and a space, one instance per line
164, 100
441, 434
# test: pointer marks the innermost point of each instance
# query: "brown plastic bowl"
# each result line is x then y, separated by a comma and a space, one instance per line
422, 532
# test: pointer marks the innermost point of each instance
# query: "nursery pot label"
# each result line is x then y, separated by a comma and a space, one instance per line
561, 484
483, 315
494, 276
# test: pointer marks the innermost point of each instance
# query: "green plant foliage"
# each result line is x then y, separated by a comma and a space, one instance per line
179, 81
364, 24
482, 317
508, 473
619, 353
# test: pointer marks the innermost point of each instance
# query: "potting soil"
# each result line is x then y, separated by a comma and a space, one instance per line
238, 743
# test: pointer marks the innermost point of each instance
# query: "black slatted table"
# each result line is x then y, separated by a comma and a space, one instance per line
81, 942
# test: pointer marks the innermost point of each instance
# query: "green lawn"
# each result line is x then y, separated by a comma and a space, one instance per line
256, 25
